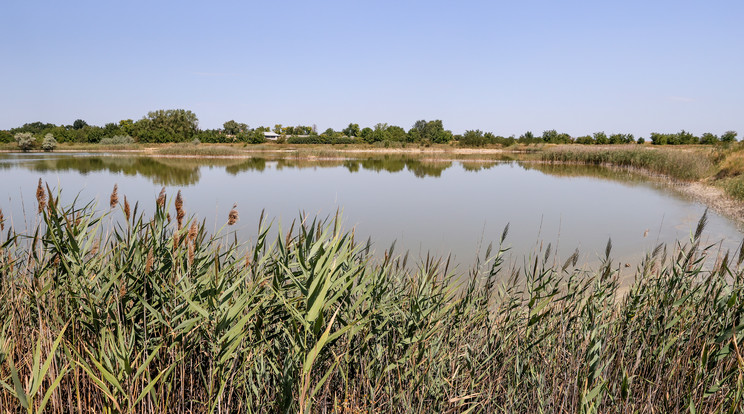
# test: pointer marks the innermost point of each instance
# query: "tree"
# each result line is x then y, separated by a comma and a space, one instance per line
600, 138
167, 125
79, 124
728, 136
473, 138
708, 139
365, 133
234, 128
25, 140
49, 143
352, 130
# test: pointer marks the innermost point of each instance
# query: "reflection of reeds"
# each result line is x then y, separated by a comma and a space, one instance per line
307, 322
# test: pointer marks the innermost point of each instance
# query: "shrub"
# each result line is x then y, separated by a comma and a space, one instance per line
195, 141
118, 140
25, 140
49, 143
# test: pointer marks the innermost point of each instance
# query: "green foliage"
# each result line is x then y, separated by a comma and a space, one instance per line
473, 138
144, 316
680, 138
49, 143
432, 131
25, 140
729, 136
6, 136
171, 125
234, 128
352, 130
79, 124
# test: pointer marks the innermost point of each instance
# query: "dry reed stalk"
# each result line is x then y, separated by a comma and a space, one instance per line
232, 218
127, 211
41, 197
2, 221
161, 198
114, 200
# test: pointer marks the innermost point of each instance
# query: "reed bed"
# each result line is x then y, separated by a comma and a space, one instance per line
118, 312
688, 165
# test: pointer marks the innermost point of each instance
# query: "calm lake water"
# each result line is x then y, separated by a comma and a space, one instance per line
436, 207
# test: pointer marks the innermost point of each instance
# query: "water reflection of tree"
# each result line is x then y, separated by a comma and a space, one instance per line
159, 172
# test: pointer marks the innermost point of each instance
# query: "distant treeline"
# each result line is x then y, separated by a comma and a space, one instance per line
180, 125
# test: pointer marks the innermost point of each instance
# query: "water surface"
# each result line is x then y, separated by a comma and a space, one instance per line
434, 207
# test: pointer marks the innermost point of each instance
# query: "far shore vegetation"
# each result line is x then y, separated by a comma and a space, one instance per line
712, 159
116, 311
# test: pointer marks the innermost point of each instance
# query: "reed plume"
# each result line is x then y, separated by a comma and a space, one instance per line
2, 221
127, 211
114, 201
161, 198
232, 218
193, 231
180, 213
191, 253
41, 197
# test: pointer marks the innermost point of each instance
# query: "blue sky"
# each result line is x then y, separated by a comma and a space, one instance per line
505, 67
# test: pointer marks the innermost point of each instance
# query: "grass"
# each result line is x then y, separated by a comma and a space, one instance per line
203, 150
118, 312
682, 164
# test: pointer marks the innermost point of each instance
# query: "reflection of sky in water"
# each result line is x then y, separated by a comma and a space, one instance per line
425, 206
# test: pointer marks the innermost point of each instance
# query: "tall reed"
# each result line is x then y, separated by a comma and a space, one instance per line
308, 322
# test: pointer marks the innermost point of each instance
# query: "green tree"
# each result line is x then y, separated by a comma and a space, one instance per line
708, 139
79, 124
25, 140
600, 138
234, 128
352, 130
473, 138
168, 125
729, 136
49, 143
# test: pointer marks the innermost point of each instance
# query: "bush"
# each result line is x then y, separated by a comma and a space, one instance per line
25, 140
195, 141
49, 143
118, 140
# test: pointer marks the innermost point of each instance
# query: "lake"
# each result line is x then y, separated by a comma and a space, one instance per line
427, 206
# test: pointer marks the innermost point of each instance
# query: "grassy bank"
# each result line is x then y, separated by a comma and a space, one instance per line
680, 164
155, 315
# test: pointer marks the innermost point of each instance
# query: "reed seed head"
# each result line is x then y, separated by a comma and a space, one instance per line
41, 197
114, 201
127, 211
191, 253
232, 218
161, 198
193, 231
2, 220
180, 213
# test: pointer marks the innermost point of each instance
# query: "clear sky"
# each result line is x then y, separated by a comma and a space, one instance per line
501, 66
